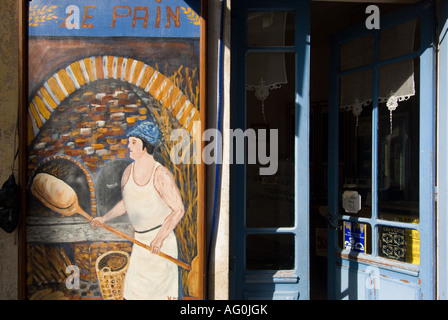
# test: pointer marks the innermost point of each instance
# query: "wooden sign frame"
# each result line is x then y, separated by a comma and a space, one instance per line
94, 77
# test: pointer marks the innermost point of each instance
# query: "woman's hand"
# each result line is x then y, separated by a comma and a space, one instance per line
156, 245
97, 222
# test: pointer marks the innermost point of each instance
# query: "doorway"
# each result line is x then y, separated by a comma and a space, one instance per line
270, 105
327, 18
275, 273
377, 165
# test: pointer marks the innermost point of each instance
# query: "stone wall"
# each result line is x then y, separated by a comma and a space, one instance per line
8, 111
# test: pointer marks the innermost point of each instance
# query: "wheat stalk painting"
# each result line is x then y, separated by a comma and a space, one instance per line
42, 14
192, 16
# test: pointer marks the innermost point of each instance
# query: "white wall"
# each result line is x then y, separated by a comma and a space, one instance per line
218, 275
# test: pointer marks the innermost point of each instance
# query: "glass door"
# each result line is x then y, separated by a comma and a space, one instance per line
381, 166
270, 188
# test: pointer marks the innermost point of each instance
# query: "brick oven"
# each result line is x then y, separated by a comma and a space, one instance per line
82, 144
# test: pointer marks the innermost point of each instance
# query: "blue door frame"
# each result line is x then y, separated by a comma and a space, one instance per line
270, 284
403, 280
442, 153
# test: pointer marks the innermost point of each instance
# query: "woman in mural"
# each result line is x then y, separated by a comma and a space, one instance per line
152, 200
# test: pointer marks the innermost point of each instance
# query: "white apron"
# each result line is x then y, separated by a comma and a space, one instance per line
149, 276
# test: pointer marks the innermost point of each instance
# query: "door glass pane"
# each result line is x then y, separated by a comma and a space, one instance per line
399, 40
270, 28
270, 109
398, 151
357, 53
270, 252
355, 124
399, 244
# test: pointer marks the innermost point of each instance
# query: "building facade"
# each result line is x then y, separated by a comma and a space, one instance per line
329, 177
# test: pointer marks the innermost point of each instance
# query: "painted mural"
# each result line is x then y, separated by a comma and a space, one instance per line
109, 214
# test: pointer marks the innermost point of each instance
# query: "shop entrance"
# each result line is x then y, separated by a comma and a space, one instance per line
381, 129
350, 213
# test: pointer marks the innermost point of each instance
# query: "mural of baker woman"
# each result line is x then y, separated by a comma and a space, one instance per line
154, 205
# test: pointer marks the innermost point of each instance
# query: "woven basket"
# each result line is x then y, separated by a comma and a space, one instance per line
111, 270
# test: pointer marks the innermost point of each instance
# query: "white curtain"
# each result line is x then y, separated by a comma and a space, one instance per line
265, 71
396, 81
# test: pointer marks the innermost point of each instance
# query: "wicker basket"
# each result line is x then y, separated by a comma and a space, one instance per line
111, 270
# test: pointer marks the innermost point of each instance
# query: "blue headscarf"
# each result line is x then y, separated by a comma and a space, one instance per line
147, 131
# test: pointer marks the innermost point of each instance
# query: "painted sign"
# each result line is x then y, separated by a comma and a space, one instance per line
354, 236
125, 18
109, 215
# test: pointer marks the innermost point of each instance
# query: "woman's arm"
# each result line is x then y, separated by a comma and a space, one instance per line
119, 209
166, 187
